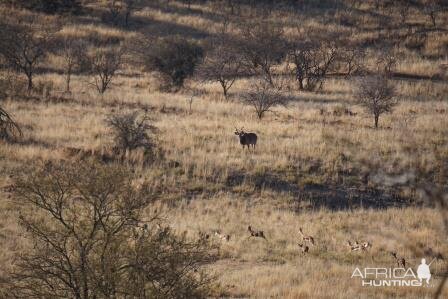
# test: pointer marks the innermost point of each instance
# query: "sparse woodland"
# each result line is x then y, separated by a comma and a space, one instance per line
197, 149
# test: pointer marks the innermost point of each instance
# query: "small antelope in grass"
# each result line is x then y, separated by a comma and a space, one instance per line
221, 236
203, 235
401, 262
256, 233
305, 248
246, 138
357, 246
306, 238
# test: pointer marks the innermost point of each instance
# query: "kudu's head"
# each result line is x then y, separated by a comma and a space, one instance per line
239, 132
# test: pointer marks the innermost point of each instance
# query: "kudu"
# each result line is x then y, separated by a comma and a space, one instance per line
246, 138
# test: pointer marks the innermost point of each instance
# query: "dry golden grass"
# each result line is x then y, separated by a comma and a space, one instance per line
277, 268
306, 158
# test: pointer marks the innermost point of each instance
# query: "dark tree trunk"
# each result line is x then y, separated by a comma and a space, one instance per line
224, 87
126, 19
300, 80
376, 121
67, 81
433, 19
30, 81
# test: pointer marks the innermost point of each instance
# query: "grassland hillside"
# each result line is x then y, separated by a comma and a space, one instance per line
319, 163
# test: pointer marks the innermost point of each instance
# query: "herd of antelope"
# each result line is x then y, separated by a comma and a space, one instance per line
305, 241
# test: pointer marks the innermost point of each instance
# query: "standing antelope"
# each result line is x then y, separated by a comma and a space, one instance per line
306, 238
246, 138
401, 262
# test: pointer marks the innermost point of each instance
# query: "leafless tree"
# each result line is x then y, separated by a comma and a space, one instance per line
119, 12
221, 64
376, 94
263, 97
262, 47
433, 8
231, 4
105, 62
72, 50
130, 7
89, 239
114, 9
312, 58
387, 59
187, 3
352, 57
24, 44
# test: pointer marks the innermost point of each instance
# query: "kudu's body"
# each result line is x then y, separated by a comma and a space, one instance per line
246, 139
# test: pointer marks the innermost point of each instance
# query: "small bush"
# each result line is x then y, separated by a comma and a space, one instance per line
175, 58
131, 131
104, 64
263, 98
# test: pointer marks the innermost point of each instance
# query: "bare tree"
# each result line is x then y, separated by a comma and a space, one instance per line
104, 63
119, 12
130, 7
114, 10
352, 57
24, 44
376, 94
221, 64
387, 59
432, 8
312, 58
89, 239
231, 4
263, 97
72, 52
262, 47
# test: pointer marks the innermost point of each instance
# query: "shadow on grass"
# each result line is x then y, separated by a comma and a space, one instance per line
330, 196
